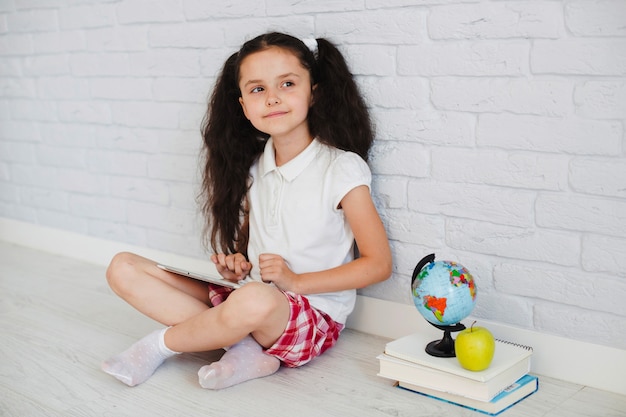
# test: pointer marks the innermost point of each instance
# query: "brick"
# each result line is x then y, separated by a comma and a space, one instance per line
370, 59
74, 135
87, 16
172, 167
97, 207
118, 232
413, 227
509, 169
16, 45
389, 192
497, 95
146, 11
84, 112
202, 10
9, 193
18, 212
532, 244
59, 42
393, 26
63, 88
81, 181
189, 90
601, 176
399, 158
17, 152
46, 65
179, 142
582, 213
555, 285
478, 202
301, 26
18, 87
34, 110
170, 62
145, 114
131, 164
121, 88
102, 64
601, 99
579, 57
140, 189
34, 20
61, 220
485, 58
429, 127
596, 18
160, 217
569, 135
282, 7
10, 67
183, 196
408, 92
190, 115
127, 138
499, 20
186, 35
61, 156
19, 131
175, 243
117, 39
604, 254
507, 309
44, 198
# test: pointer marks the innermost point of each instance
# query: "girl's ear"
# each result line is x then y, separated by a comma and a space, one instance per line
313, 87
243, 107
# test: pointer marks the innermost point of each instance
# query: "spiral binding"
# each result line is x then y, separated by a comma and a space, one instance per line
515, 344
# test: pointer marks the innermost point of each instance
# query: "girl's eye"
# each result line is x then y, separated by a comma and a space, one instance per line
256, 90
287, 84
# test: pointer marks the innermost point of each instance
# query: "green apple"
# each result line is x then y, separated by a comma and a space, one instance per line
474, 348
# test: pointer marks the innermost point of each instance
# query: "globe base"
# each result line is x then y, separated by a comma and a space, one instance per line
444, 348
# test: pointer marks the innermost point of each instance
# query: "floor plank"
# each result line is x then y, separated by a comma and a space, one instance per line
59, 320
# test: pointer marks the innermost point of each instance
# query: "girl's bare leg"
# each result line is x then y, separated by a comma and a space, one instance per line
256, 309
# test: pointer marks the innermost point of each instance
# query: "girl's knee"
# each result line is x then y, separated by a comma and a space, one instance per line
120, 269
257, 302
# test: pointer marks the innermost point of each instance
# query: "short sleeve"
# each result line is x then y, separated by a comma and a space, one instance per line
347, 172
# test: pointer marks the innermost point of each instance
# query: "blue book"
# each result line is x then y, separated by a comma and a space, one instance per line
525, 386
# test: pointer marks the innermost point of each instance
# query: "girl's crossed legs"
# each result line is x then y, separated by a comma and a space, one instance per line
257, 309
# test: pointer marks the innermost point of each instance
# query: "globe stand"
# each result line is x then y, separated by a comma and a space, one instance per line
444, 348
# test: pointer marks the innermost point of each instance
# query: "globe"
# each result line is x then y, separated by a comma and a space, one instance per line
444, 292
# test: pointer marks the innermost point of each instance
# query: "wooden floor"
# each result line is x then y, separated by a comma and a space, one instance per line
59, 320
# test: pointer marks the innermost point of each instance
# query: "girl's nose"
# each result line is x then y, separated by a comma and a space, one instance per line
272, 99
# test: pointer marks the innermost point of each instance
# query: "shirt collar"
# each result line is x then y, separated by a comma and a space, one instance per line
293, 168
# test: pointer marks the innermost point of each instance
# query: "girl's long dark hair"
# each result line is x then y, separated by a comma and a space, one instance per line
338, 117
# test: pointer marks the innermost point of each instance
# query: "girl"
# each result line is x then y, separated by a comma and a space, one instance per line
286, 195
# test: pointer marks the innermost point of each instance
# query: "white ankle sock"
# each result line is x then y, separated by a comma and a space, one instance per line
241, 362
137, 363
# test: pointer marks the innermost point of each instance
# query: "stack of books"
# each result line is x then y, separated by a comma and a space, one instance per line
506, 382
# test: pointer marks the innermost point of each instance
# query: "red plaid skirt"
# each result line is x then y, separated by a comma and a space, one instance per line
308, 334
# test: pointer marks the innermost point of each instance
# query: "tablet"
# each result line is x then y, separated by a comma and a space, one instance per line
202, 277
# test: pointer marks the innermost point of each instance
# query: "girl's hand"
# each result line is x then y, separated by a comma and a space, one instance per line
274, 269
232, 267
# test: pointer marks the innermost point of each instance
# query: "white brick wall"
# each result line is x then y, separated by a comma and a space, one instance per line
500, 130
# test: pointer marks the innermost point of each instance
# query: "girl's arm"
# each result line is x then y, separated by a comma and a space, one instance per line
373, 265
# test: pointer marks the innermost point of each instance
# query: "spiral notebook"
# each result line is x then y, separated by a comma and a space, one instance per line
406, 360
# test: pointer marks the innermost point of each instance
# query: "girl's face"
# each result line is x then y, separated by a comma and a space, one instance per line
276, 93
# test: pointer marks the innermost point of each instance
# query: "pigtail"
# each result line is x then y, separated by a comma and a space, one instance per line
231, 144
339, 115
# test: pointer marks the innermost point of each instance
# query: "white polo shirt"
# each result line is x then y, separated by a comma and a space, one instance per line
294, 213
